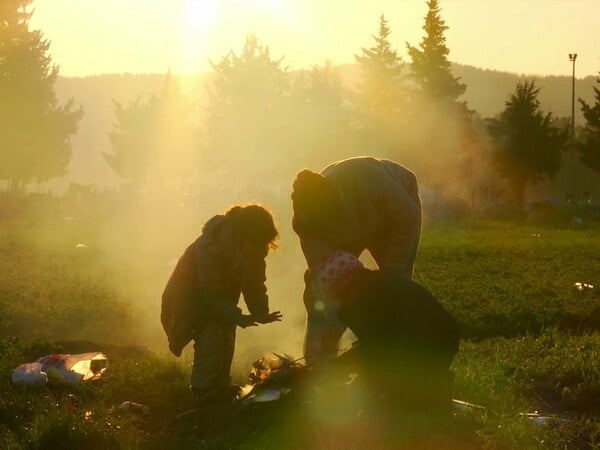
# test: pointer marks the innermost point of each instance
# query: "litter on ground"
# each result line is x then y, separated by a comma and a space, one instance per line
61, 369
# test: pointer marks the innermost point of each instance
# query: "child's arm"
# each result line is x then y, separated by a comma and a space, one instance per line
255, 292
254, 289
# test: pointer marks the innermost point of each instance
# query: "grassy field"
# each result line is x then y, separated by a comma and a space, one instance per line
532, 340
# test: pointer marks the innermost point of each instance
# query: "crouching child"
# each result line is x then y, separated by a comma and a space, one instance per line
406, 338
200, 300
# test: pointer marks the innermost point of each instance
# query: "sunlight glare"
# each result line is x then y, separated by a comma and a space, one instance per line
200, 13
275, 7
198, 21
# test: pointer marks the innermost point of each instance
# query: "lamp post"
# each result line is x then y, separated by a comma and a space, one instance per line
572, 58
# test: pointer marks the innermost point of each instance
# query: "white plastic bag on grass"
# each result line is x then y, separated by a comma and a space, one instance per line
30, 373
62, 368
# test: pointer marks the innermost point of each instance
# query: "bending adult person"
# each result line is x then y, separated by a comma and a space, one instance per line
352, 205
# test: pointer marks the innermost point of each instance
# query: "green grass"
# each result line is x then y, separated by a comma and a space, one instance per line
505, 280
552, 372
532, 341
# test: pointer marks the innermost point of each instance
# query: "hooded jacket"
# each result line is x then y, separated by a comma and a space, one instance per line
223, 272
207, 282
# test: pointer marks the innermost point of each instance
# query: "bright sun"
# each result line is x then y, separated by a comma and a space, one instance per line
200, 13
198, 17
212, 27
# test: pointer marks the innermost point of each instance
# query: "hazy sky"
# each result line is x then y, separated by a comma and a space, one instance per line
108, 36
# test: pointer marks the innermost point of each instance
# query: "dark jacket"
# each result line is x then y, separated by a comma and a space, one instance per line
223, 273
380, 198
392, 315
207, 282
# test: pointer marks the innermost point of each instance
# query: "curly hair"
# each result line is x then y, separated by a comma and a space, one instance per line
253, 223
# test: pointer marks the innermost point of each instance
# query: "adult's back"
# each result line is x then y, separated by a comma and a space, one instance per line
353, 205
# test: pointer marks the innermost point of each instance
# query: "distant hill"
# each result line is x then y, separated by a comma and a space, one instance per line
487, 91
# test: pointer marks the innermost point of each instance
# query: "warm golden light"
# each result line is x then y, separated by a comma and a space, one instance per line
197, 24
308, 32
199, 14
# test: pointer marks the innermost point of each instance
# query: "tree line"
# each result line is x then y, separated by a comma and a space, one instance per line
259, 118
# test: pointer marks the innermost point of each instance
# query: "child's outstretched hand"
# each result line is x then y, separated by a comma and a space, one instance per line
245, 321
275, 316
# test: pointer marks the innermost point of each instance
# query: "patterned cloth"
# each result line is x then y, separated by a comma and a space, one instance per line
336, 271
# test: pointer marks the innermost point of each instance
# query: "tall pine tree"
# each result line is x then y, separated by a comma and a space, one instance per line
528, 142
447, 139
589, 145
34, 128
430, 66
380, 101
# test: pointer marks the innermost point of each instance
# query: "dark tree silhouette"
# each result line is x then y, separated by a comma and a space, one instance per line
430, 66
152, 141
589, 143
448, 143
380, 101
34, 128
527, 141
